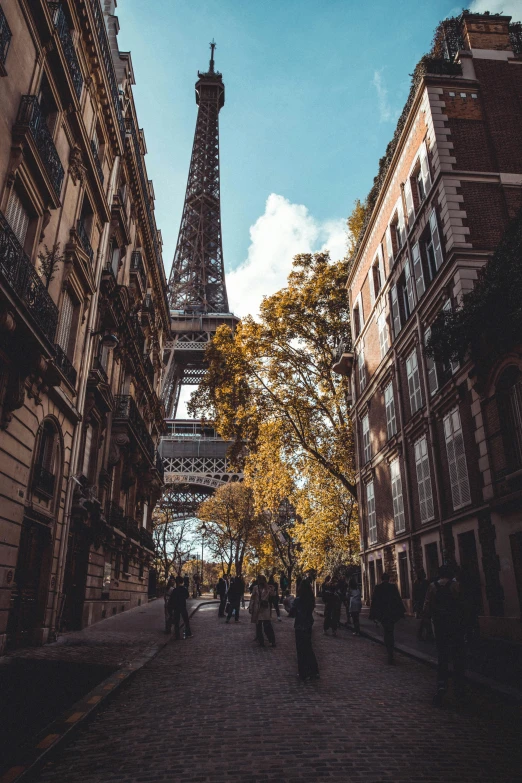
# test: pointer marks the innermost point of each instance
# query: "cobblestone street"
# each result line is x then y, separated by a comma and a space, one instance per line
217, 708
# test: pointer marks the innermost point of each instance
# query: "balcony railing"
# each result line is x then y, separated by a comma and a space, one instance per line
101, 32
29, 114
97, 161
127, 410
23, 279
62, 28
84, 239
5, 37
43, 481
137, 268
65, 365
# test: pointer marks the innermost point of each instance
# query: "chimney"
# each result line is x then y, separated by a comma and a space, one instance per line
486, 31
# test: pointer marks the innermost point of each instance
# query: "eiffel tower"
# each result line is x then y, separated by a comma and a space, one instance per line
194, 455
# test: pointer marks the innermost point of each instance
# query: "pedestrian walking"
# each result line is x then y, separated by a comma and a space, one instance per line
284, 584
186, 582
342, 589
178, 608
234, 599
274, 598
303, 611
420, 588
222, 589
168, 590
444, 606
332, 606
261, 611
354, 605
387, 607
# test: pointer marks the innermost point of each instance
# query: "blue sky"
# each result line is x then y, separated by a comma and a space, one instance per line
313, 90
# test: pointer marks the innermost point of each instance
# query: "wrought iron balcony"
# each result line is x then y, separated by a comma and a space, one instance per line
101, 33
5, 39
30, 115
21, 275
146, 539
137, 268
97, 161
65, 365
84, 239
43, 481
62, 28
126, 410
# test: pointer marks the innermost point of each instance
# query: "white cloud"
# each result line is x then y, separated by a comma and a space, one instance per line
385, 111
282, 231
509, 7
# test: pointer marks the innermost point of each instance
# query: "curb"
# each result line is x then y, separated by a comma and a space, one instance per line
429, 660
35, 753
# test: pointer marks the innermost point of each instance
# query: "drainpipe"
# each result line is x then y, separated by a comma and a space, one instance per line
82, 391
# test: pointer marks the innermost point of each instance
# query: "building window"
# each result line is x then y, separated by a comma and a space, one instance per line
398, 503
409, 301
509, 403
423, 176
414, 388
383, 334
48, 462
418, 273
431, 560
117, 565
395, 311
431, 367
5, 40
361, 368
357, 320
372, 516
453, 366
376, 278
389, 402
458, 469
367, 448
17, 217
422, 465
433, 248
404, 579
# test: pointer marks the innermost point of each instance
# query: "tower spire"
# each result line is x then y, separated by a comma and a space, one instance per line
213, 46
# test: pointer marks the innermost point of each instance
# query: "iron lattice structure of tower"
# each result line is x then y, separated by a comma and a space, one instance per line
194, 457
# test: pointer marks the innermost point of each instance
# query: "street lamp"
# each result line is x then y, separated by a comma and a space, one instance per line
109, 340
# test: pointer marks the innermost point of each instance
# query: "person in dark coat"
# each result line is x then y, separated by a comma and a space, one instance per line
332, 606
222, 589
274, 598
443, 605
303, 611
178, 608
387, 607
234, 598
420, 588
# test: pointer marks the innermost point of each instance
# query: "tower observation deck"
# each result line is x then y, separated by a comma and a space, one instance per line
195, 461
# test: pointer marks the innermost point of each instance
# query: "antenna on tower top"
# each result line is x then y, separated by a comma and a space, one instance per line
212, 48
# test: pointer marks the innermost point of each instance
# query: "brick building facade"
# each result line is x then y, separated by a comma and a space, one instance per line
428, 490
81, 329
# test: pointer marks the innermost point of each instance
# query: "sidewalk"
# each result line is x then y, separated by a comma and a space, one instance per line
40, 683
493, 662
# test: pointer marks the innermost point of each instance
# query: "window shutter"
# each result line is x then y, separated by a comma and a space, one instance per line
372, 517
361, 368
389, 246
17, 217
398, 504
422, 466
410, 212
417, 271
425, 169
381, 266
401, 226
458, 470
372, 286
396, 315
367, 453
389, 402
431, 367
64, 327
409, 285
435, 239
383, 334
412, 371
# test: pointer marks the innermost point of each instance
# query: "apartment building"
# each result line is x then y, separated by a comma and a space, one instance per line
450, 184
83, 318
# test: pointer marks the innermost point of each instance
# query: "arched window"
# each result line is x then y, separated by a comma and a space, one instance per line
509, 401
48, 460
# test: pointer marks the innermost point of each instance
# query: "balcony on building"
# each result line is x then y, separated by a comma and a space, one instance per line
137, 272
343, 361
72, 66
24, 286
32, 129
65, 366
5, 40
148, 311
126, 415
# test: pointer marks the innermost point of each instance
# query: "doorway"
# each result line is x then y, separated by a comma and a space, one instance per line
431, 557
470, 572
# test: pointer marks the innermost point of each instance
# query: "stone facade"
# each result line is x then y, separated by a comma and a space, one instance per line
83, 317
427, 489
